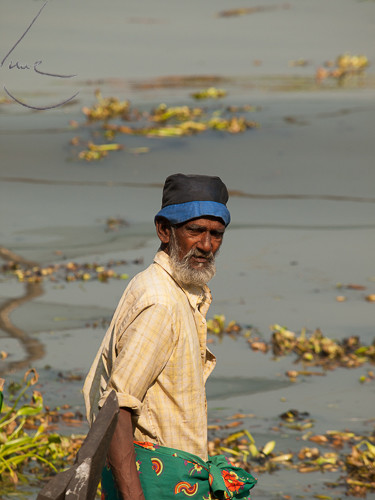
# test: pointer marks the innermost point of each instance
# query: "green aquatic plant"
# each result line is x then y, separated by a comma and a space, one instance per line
98, 151
360, 464
162, 122
164, 113
217, 325
316, 349
241, 445
210, 93
106, 108
357, 467
20, 448
345, 66
69, 271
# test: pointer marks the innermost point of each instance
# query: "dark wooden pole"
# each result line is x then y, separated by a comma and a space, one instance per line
80, 482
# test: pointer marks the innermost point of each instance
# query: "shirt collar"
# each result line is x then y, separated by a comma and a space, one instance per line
197, 295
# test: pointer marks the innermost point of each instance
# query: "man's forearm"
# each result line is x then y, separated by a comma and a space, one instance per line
121, 456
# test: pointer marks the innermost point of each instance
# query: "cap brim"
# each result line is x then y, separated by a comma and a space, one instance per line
182, 212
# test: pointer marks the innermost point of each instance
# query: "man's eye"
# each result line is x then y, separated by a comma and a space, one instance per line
194, 230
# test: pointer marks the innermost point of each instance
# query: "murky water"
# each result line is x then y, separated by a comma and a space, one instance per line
302, 204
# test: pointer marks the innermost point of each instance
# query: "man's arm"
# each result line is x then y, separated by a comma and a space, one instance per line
121, 456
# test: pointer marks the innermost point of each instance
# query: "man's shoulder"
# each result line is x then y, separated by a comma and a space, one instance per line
153, 286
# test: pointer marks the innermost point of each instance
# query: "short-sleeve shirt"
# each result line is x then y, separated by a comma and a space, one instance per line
154, 355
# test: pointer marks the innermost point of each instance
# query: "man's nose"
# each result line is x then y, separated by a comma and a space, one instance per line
205, 243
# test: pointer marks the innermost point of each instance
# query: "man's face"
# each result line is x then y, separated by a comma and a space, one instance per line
201, 236
192, 247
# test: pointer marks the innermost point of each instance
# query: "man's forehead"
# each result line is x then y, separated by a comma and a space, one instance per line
209, 221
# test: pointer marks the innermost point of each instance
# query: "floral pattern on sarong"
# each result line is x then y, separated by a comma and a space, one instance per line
157, 465
186, 488
168, 474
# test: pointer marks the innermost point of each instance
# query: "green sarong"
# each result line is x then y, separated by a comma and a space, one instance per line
166, 474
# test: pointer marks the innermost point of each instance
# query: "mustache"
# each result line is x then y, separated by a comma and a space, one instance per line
194, 252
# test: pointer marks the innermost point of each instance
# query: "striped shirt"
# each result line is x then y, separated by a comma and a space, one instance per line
154, 355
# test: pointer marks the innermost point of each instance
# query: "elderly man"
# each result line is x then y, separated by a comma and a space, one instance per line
154, 354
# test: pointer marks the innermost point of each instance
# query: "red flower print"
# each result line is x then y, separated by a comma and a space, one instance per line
232, 482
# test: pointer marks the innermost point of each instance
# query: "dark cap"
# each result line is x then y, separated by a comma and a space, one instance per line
188, 197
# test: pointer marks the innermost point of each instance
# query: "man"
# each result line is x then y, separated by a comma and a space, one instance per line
154, 353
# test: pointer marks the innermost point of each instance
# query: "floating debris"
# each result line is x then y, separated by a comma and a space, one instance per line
313, 349
241, 448
98, 151
317, 350
163, 121
243, 11
69, 271
367, 378
115, 223
293, 374
259, 345
182, 113
346, 65
107, 108
188, 127
360, 464
294, 416
341, 298
210, 93
180, 81
298, 62
69, 377
353, 286
217, 325
357, 467
296, 420
233, 125
245, 108
30, 444
44, 451
294, 121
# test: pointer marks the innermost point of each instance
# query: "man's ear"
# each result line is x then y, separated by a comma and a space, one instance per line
163, 230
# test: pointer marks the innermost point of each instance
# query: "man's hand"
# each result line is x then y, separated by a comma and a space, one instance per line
121, 457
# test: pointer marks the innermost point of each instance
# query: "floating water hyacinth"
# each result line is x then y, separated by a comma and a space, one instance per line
161, 122
356, 467
19, 448
162, 113
210, 93
69, 271
98, 151
217, 325
316, 349
106, 108
346, 65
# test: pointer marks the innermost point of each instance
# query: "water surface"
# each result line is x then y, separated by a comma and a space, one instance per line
302, 193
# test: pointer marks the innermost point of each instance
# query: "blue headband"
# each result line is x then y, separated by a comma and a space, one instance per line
182, 212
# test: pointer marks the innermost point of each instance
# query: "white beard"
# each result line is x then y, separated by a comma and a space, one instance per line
182, 269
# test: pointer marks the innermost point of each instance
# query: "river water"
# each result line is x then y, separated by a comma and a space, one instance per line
302, 192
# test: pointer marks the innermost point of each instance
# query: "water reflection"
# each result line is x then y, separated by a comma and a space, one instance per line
34, 350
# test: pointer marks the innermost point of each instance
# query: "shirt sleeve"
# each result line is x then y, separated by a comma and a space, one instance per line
143, 349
